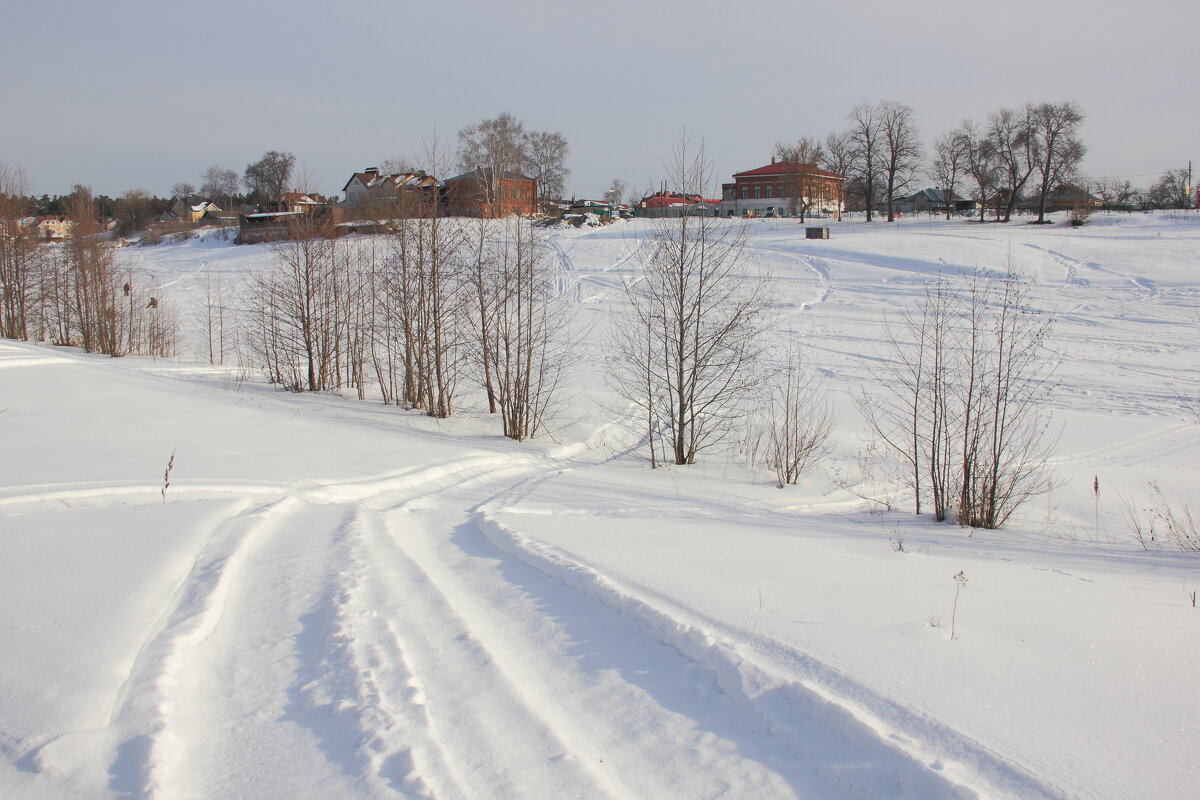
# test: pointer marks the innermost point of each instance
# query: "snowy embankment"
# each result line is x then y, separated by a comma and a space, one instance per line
338, 599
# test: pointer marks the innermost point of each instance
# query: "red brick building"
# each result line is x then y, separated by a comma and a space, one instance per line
779, 188
484, 192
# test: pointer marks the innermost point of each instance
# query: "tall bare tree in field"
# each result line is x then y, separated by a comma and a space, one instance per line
948, 165
1012, 138
865, 134
981, 162
900, 151
686, 351
1057, 147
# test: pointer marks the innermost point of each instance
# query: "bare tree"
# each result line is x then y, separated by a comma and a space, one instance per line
839, 159
982, 164
685, 352
909, 413
1005, 443
798, 419
525, 335
616, 193
1057, 148
1012, 138
498, 143
268, 177
184, 191
505, 146
798, 184
950, 154
962, 400
1115, 193
220, 184
21, 259
396, 165
546, 158
1170, 190
900, 150
865, 134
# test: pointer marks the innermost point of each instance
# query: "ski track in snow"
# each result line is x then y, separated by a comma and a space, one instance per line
382, 636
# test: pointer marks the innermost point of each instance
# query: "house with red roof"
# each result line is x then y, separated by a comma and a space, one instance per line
676, 204
784, 189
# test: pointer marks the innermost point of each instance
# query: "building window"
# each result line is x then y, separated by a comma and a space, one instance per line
745, 192
757, 190
769, 191
779, 190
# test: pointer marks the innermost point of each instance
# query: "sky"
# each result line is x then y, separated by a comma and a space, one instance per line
139, 95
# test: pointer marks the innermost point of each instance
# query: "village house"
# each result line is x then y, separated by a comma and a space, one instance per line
783, 189
933, 201
194, 213
676, 204
57, 227
368, 193
484, 192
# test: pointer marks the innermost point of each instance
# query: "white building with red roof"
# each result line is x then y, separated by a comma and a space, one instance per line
784, 189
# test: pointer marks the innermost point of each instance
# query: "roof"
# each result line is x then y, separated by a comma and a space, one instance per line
404, 180
782, 168
488, 173
666, 201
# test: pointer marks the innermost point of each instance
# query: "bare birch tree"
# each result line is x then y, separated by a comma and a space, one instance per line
685, 353
798, 419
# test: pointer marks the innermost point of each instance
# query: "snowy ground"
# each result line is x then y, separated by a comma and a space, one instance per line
338, 599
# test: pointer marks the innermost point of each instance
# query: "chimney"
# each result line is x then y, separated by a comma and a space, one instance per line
372, 170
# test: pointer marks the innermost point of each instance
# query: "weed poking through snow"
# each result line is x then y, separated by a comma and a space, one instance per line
167, 476
960, 580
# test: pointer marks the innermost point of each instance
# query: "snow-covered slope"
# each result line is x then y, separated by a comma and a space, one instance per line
333, 598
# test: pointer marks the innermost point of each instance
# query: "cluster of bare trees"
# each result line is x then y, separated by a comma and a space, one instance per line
960, 403
1016, 154
73, 292
1031, 150
414, 311
503, 145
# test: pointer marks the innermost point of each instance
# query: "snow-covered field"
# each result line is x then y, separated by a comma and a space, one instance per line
334, 598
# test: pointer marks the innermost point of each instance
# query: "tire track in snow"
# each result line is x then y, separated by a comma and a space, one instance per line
847, 742
146, 701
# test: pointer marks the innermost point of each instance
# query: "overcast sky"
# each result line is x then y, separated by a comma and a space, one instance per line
123, 95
